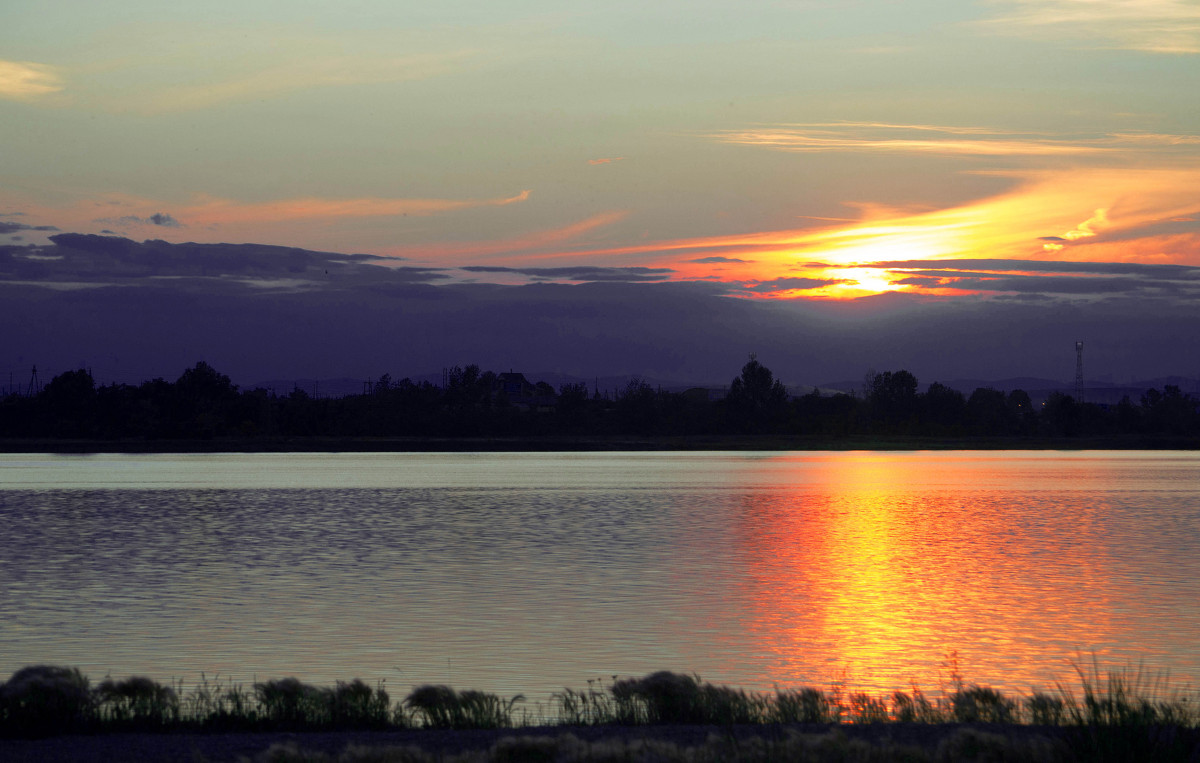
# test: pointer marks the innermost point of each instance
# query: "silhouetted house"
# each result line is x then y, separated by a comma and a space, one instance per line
516, 390
514, 385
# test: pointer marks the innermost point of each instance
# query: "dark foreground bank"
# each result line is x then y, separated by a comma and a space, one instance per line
53, 713
910, 742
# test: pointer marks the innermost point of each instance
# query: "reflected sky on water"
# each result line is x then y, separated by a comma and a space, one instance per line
530, 572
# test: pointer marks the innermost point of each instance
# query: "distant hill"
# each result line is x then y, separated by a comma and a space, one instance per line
1027, 383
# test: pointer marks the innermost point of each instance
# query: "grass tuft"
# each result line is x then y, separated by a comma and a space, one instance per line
805, 705
443, 707
666, 697
138, 702
981, 704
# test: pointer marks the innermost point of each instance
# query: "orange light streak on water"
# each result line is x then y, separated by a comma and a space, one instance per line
915, 578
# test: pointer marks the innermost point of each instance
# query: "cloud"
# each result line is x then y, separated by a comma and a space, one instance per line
298, 67
717, 260
951, 266
1060, 285
530, 245
940, 139
161, 218
113, 260
6, 227
1087, 228
296, 321
1154, 26
213, 218
1089, 279
25, 79
1140, 204
580, 273
215, 211
158, 218
606, 160
790, 284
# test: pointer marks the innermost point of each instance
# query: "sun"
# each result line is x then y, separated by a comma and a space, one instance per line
867, 279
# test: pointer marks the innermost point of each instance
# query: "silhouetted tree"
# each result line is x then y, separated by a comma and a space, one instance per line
989, 413
756, 400
892, 396
1169, 411
836, 415
205, 400
203, 382
637, 407
69, 404
1022, 411
943, 408
1060, 415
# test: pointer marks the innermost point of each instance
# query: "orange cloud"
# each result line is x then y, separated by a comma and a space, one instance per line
1155, 26
24, 79
528, 248
225, 211
606, 160
216, 215
1119, 208
939, 139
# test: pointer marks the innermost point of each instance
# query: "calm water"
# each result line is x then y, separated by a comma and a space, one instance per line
530, 572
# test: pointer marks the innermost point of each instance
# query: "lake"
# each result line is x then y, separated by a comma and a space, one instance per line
528, 572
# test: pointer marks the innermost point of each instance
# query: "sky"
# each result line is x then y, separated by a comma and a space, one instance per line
962, 188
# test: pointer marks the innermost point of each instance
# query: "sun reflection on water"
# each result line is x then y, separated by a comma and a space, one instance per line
886, 582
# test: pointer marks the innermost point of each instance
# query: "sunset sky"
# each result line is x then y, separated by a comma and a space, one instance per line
1021, 152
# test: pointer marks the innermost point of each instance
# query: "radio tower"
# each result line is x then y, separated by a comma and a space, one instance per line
1079, 372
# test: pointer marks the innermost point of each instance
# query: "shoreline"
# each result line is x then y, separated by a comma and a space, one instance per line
557, 444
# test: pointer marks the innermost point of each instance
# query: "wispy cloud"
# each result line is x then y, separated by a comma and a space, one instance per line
24, 79
303, 222
606, 160
1156, 26
1110, 214
1044, 277
790, 285
581, 274
7, 227
1085, 229
938, 139
535, 245
226, 211
293, 75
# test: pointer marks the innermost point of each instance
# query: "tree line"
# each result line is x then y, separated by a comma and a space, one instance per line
204, 404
